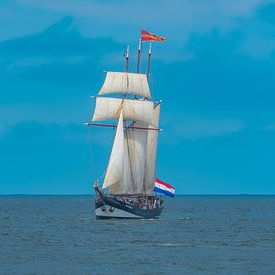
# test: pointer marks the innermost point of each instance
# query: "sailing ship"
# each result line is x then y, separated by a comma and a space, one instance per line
130, 175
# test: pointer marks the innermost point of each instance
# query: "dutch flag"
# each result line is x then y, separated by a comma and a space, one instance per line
164, 188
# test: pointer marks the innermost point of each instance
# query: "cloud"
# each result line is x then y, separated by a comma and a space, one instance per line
257, 31
266, 13
192, 127
53, 64
40, 158
43, 79
33, 128
61, 39
33, 131
111, 18
45, 114
269, 127
180, 13
215, 74
219, 81
99, 19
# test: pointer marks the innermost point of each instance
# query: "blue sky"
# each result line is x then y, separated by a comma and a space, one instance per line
215, 74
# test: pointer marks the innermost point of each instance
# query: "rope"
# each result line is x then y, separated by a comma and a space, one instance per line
91, 154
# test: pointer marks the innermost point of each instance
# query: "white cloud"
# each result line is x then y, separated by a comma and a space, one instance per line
168, 15
122, 20
177, 19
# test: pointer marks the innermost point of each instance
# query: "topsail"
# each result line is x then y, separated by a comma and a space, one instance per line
136, 110
125, 83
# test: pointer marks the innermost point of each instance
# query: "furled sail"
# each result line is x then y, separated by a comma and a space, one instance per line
115, 169
125, 83
150, 164
136, 110
136, 141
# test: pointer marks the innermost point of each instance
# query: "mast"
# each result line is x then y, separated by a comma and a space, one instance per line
149, 61
139, 54
127, 59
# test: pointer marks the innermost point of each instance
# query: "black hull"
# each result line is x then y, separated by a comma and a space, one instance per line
116, 207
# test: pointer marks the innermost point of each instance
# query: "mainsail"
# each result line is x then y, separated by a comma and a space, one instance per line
150, 166
136, 140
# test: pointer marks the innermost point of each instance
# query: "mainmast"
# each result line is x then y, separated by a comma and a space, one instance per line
139, 55
127, 59
149, 60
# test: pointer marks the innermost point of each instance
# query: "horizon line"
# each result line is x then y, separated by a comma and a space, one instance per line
181, 194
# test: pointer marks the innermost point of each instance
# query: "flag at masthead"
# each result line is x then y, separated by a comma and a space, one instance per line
150, 37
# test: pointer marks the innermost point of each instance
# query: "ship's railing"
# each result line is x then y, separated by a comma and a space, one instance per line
139, 200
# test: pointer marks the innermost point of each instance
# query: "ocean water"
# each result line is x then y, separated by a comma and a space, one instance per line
195, 235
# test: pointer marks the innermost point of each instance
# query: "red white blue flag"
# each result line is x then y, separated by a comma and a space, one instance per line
164, 188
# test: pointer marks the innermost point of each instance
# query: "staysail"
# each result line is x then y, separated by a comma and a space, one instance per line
115, 170
125, 83
127, 157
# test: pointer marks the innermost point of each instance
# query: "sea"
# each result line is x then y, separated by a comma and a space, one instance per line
194, 235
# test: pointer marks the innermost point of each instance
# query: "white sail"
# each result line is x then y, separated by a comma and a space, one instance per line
136, 140
136, 110
125, 83
127, 179
115, 169
150, 164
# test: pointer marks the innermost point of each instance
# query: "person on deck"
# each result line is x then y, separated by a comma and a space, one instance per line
96, 185
97, 189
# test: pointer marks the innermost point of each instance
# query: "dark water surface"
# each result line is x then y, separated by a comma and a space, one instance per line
195, 234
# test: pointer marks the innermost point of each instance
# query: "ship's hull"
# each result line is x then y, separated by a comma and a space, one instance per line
112, 207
